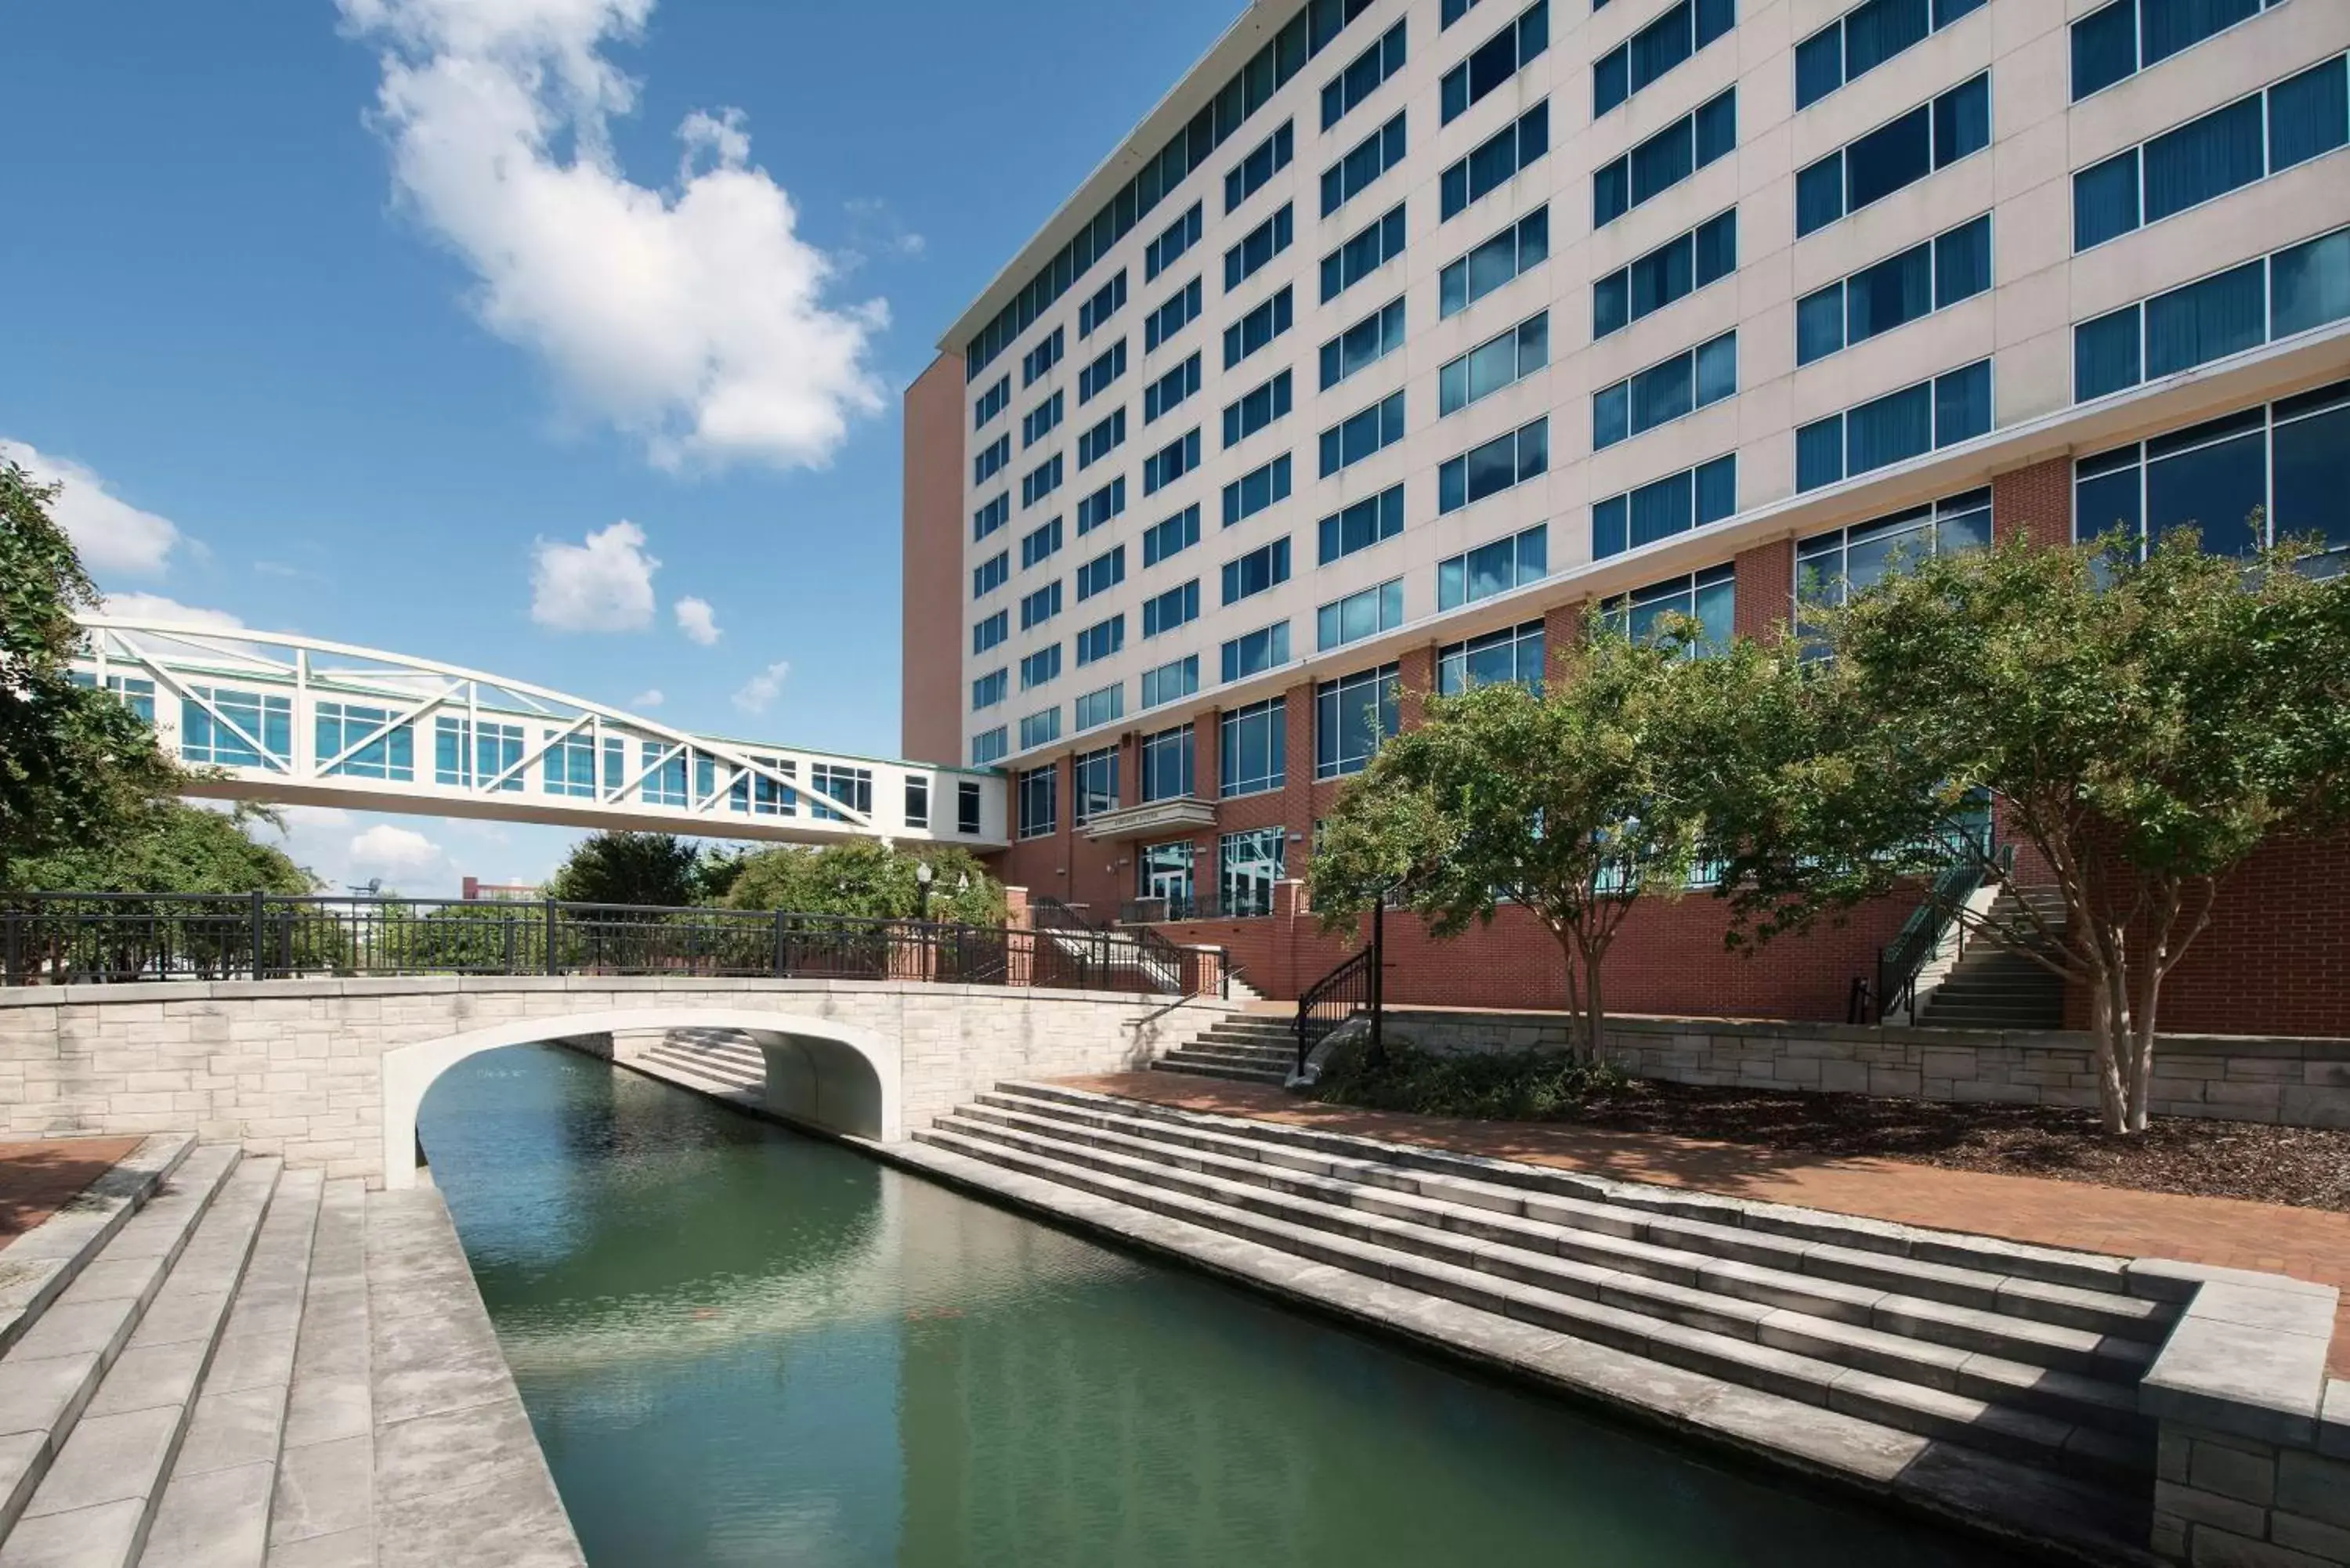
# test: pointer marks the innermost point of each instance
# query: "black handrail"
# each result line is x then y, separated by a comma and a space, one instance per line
1905, 957
82, 939
1048, 913
1354, 987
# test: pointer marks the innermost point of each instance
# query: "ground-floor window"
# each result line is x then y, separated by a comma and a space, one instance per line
1708, 598
2278, 470
1251, 865
1163, 872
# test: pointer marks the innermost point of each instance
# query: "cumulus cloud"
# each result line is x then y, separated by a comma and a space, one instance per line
386, 849
603, 585
651, 698
156, 606
695, 316
759, 693
698, 621
112, 535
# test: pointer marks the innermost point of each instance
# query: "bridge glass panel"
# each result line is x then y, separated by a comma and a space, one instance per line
852, 787
469, 754
389, 748
236, 729
665, 773
570, 765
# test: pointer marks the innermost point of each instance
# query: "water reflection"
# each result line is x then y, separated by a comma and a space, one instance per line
739, 1345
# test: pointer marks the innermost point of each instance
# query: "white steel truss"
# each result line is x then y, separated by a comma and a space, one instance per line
291, 720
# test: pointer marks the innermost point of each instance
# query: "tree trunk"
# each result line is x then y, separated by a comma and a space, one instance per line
1597, 1026
1567, 958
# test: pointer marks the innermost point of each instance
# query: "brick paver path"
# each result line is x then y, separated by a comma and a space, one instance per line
37, 1178
2309, 1244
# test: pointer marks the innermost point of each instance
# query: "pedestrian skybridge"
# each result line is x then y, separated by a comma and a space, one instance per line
295, 721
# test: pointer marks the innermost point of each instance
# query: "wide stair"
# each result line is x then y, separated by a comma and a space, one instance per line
1993, 987
1247, 1047
715, 1061
144, 1392
2027, 1355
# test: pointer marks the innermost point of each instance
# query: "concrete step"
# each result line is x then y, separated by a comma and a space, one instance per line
1269, 1044
321, 1501
706, 1072
1218, 1069
214, 1511
98, 1501
1914, 1338
46, 1259
49, 1374
1226, 1055
1697, 1338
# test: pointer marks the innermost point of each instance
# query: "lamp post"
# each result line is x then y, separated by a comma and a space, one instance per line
923, 876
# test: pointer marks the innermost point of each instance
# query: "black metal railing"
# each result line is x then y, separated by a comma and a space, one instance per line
1250, 904
1354, 987
84, 938
1048, 913
1905, 957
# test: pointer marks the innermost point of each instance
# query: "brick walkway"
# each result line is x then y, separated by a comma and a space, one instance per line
37, 1178
2309, 1244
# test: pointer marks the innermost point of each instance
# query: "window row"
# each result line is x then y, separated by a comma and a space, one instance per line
1663, 507
1495, 162
1180, 309
1665, 392
1649, 54
1365, 343
1362, 165
1932, 276
1665, 158
1493, 263
1509, 459
2130, 35
2296, 289
1898, 153
1107, 367
1674, 270
1364, 253
1260, 327
2245, 480
1494, 61
1865, 37
1106, 302
1259, 246
1496, 363
1362, 77
1952, 407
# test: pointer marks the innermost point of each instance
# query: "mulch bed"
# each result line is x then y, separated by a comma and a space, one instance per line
2308, 1168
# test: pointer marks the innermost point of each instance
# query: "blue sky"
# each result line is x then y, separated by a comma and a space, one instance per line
378, 319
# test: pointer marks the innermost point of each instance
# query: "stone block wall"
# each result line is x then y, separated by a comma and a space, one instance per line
2291, 1082
2222, 1498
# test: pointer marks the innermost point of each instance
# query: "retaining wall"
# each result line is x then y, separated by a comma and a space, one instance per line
2298, 1082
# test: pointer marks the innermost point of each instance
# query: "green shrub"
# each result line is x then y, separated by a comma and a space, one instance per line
1514, 1085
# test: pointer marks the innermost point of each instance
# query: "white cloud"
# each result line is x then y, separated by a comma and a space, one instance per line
386, 849
694, 317
759, 693
112, 535
156, 606
698, 621
647, 699
603, 585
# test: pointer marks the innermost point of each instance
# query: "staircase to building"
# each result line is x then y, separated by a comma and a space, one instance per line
1991, 986
2025, 1358
1072, 932
1247, 1047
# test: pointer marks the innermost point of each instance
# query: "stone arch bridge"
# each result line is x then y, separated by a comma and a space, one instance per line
330, 1072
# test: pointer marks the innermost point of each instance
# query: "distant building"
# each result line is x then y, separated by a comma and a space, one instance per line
480, 892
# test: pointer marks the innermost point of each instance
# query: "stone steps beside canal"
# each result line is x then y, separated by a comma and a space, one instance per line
1892, 1340
232, 1366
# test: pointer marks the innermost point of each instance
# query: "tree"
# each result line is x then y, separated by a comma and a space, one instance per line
1561, 802
170, 846
2140, 727
862, 877
656, 869
78, 768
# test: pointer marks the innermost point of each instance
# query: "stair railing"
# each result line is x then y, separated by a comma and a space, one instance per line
1183, 967
1352, 988
1905, 957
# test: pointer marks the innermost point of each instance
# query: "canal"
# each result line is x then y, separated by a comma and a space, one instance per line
743, 1347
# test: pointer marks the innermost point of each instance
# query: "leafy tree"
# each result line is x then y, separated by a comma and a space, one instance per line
1562, 801
76, 767
862, 877
657, 869
172, 847
2141, 727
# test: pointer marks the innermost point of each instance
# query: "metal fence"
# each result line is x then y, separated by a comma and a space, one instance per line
83, 938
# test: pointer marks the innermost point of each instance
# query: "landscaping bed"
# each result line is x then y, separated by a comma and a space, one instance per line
2305, 1167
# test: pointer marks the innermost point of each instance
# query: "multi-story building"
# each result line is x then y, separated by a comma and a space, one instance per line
1403, 335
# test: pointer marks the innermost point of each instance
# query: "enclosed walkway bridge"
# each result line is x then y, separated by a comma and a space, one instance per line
287, 720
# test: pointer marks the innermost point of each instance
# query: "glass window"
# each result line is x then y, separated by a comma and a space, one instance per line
1663, 507
917, 801
1178, 532
1365, 251
1249, 865
1259, 571
1167, 765
1513, 654
1494, 62
1263, 162
370, 742
2286, 465
1367, 342
967, 806
1351, 716
1496, 363
1176, 606
988, 747
1708, 598
1832, 566
1360, 435
2309, 114
1351, 85
2310, 284
1359, 616
1666, 391
1041, 729
849, 787
1517, 248
1250, 749
1038, 801
233, 729
1093, 784
1495, 162
1363, 164
1507, 460
1366, 523
1491, 569
1255, 652
1953, 407
1172, 682
1163, 872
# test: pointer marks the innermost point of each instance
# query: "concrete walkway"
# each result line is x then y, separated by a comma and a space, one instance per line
40, 1177
2307, 1243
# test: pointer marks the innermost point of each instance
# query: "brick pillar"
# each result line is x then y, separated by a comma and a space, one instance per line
1065, 828
1291, 907
1415, 683
1766, 590
1129, 768
1561, 634
1297, 774
1207, 739
2035, 502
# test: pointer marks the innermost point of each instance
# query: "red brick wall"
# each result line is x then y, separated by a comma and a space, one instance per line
2035, 502
1668, 959
1765, 589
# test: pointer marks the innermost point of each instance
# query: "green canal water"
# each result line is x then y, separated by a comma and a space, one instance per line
743, 1347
